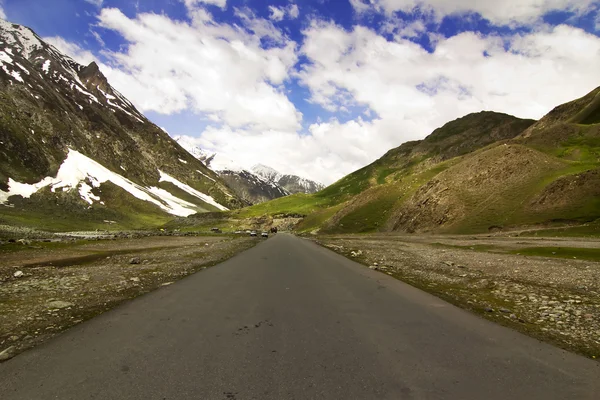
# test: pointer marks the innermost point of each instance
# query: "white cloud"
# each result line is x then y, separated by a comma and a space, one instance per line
97, 3
71, 49
499, 12
293, 11
191, 4
210, 68
2, 13
223, 73
277, 13
402, 80
330, 150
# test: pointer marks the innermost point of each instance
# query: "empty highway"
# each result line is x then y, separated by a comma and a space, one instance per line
291, 320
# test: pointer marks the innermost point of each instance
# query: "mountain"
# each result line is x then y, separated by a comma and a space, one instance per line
250, 187
292, 183
75, 153
484, 172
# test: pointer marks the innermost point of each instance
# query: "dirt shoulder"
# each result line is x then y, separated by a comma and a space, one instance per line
46, 287
552, 299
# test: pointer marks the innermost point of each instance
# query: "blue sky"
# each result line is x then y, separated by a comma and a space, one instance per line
325, 86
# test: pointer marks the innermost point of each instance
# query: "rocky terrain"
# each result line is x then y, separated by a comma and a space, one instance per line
293, 184
48, 285
484, 172
74, 152
553, 299
249, 186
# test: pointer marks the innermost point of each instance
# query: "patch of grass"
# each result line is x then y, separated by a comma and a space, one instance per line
370, 216
317, 219
591, 229
15, 247
485, 248
561, 252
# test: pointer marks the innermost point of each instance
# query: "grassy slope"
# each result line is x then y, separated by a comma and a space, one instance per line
480, 172
64, 211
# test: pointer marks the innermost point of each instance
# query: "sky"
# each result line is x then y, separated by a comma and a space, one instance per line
321, 88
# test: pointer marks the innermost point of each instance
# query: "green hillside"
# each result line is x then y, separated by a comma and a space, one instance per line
483, 172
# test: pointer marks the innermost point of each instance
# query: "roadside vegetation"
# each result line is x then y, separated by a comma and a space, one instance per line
49, 286
546, 288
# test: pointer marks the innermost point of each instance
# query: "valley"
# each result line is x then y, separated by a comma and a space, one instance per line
495, 214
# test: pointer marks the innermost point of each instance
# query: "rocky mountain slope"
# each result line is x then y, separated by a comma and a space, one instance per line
75, 153
250, 187
292, 183
483, 172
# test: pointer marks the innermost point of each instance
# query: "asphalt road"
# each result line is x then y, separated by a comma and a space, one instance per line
291, 320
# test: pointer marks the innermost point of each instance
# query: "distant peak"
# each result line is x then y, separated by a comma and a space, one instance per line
92, 73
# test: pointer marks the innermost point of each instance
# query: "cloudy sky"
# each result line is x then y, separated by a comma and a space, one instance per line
321, 88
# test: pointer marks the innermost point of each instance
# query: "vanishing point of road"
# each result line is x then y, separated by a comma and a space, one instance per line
288, 319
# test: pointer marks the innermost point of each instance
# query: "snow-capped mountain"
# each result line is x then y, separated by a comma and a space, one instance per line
71, 144
249, 186
291, 183
268, 173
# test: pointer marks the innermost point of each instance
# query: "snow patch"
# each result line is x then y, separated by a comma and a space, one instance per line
204, 197
77, 170
46, 66
182, 161
204, 175
16, 76
23, 69
5, 58
17, 34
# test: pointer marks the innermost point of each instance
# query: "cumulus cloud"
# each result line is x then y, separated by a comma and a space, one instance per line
293, 11
399, 80
329, 151
226, 74
214, 69
498, 12
191, 4
279, 13
71, 49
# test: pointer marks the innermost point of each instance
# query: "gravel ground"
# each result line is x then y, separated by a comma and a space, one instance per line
552, 299
46, 287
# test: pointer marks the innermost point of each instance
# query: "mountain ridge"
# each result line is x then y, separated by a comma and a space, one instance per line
56, 112
255, 185
483, 172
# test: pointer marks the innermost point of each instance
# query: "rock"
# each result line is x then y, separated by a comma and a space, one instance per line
505, 310
513, 316
24, 242
449, 263
18, 274
59, 304
489, 309
375, 264
374, 267
135, 260
134, 279
7, 354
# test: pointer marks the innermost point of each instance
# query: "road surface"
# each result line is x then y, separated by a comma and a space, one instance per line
291, 320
